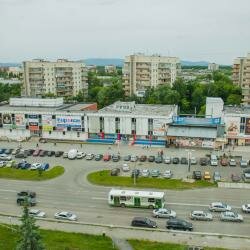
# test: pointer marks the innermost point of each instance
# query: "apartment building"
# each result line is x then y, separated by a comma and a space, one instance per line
213, 67
241, 76
141, 72
61, 78
110, 69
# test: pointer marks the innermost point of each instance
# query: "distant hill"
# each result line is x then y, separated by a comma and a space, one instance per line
190, 63
10, 64
104, 61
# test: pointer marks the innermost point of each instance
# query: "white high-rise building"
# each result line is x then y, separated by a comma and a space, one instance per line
213, 66
61, 78
141, 72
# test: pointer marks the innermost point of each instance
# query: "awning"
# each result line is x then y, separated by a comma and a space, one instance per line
192, 132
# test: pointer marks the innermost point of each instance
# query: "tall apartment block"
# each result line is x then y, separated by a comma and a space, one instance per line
213, 66
241, 76
61, 78
141, 72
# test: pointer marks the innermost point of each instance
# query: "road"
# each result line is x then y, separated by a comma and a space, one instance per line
72, 192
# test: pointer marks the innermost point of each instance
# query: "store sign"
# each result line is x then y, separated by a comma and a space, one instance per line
196, 121
47, 122
7, 119
20, 122
232, 126
72, 122
33, 122
247, 129
159, 127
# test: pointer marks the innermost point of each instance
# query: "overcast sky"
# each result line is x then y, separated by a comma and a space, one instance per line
211, 30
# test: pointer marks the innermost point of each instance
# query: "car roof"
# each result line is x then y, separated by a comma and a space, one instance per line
217, 203
139, 218
198, 211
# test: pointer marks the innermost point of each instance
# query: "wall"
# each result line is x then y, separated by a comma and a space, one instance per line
15, 134
69, 135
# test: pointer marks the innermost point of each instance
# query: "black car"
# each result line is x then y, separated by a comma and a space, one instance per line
115, 158
246, 171
58, 153
43, 153
176, 160
21, 155
151, 158
98, 157
143, 222
127, 158
184, 160
22, 200
51, 153
115, 171
158, 159
203, 161
135, 173
29, 152
197, 175
178, 224
26, 193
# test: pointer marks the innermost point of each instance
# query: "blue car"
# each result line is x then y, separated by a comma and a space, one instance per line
2, 150
44, 166
24, 165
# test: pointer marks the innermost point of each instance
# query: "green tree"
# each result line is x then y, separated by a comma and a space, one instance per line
30, 238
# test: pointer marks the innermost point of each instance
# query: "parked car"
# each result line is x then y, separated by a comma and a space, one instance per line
201, 215
125, 167
42, 153
8, 151
26, 193
37, 213
164, 213
246, 208
35, 166
176, 160
224, 162
134, 158
235, 177
115, 158
143, 158
135, 173
219, 207
193, 161
65, 216
21, 200
127, 158
51, 153
216, 176
158, 159
21, 154
151, 158
72, 153
98, 157
207, 176
30, 152
65, 155
184, 160
155, 173
24, 165
143, 222
115, 171
58, 153
246, 177
3, 164
197, 175
232, 162
243, 163
167, 159
167, 174
231, 216
80, 155
36, 152
145, 173
106, 157
203, 161
247, 170
5, 157
44, 166
178, 224
11, 164
213, 160
15, 151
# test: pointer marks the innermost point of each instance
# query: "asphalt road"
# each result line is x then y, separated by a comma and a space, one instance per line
72, 192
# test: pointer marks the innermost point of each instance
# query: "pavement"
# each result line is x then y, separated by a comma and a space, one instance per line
72, 192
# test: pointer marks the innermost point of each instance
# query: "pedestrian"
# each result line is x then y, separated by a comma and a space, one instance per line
37, 145
54, 143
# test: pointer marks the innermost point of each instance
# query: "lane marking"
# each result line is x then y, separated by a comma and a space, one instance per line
8, 190
98, 198
193, 204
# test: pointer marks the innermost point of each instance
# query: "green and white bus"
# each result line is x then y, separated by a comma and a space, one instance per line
133, 198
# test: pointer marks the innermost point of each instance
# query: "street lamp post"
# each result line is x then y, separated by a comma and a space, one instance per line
134, 173
189, 158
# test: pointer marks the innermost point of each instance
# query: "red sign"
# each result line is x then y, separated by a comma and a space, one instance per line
33, 128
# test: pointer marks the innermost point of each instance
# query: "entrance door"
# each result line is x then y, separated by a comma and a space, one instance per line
137, 202
116, 201
158, 203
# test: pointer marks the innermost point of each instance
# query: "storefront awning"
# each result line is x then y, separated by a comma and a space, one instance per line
192, 132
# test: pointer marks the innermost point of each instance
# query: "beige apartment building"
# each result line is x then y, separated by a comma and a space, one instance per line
61, 78
241, 76
141, 72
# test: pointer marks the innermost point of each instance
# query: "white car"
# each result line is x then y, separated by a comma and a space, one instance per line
66, 216
125, 167
2, 164
243, 163
219, 207
246, 208
231, 216
35, 166
5, 157
145, 173
80, 155
167, 174
65, 155
213, 160
232, 163
193, 161
201, 215
164, 213
167, 159
37, 213
133, 158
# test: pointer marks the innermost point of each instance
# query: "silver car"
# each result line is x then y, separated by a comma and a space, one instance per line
164, 213
219, 207
145, 173
65, 216
167, 174
232, 163
231, 216
167, 159
37, 213
201, 215
246, 208
217, 176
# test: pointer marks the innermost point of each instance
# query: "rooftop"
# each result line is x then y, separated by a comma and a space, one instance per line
230, 109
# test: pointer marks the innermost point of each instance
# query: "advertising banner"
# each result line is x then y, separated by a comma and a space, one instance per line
247, 129
33, 122
47, 122
7, 121
232, 126
64, 122
196, 121
20, 122
159, 127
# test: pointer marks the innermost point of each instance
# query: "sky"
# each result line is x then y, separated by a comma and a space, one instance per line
210, 30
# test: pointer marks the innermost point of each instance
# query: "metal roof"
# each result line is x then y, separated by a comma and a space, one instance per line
121, 192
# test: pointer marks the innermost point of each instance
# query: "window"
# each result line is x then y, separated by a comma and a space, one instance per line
63, 132
151, 199
123, 198
78, 134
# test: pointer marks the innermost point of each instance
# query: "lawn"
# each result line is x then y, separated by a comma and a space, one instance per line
104, 178
31, 175
57, 240
150, 245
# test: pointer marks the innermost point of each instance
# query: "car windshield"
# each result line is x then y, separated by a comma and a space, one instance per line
69, 214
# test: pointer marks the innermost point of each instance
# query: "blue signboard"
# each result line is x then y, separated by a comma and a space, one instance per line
196, 121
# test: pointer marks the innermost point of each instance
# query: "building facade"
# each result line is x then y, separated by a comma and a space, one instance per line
61, 78
110, 69
241, 76
213, 67
141, 72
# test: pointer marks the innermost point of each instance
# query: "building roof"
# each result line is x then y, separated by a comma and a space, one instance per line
230, 109
136, 193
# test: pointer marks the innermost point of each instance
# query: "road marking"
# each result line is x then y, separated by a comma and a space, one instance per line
193, 204
8, 190
98, 198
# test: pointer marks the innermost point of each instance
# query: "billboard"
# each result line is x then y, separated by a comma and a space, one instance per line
159, 127
247, 129
20, 121
232, 126
7, 119
33, 122
196, 121
68, 121
47, 122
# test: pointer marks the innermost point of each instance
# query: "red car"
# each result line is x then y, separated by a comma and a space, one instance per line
106, 157
36, 152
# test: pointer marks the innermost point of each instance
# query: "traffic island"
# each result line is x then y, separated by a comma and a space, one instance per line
31, 175
105, 179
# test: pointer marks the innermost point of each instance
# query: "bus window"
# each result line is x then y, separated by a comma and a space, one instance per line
151, 199
123, 198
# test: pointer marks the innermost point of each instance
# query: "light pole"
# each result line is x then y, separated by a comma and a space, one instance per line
189, 158
10, 218
134, 173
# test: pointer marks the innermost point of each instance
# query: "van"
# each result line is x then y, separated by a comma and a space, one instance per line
72, 154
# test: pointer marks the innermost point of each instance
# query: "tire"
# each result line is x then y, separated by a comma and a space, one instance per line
123, 205
168, 227
151, 207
